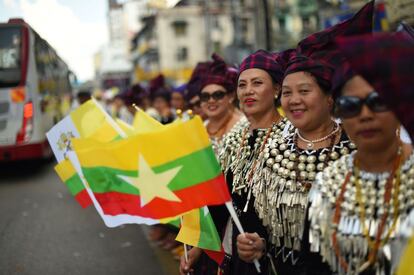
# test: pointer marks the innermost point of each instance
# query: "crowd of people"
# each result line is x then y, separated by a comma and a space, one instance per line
325, 188
313, 145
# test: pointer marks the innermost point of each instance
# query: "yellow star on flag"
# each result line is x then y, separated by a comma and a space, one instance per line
150, 184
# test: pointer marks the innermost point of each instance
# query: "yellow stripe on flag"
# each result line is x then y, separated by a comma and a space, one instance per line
406, 266
190, 228
128, 129
105, 133
89, 117
159, 147
65, 170
144, 123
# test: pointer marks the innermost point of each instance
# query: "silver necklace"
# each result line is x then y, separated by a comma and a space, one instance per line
311, 143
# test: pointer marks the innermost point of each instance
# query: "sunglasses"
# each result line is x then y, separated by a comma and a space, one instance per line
351, 106
217, 95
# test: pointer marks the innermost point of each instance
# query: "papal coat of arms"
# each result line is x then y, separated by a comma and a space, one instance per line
64, 143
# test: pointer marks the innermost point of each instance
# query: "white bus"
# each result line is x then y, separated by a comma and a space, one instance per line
33, 80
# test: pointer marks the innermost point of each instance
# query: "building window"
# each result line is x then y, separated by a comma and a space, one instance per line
180, 28
182, 54
217, 47
216, 22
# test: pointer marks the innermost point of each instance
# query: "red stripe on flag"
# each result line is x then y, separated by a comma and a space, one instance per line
83, 198
217, 256
212, 192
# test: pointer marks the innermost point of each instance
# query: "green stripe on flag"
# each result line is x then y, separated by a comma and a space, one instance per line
74, 184
209, 238
106, 179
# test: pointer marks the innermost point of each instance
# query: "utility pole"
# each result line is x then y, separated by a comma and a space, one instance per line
268, 35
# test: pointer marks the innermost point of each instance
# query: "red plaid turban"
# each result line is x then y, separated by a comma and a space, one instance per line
156, 83
135, 94
219, 73
407, 30
317, 53
318, 67
386, 62
266, 61
194, 85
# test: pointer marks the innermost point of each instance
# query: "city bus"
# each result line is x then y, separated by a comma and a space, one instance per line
33, 80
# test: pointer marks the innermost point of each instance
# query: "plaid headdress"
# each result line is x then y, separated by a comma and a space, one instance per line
316, 65
318, 55
407, 30
156, 83
284, 57
266, 61
360, 23
219, 73
134, 94
195, 82
385, 61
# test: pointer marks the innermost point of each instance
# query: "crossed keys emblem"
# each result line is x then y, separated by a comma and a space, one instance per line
64, 143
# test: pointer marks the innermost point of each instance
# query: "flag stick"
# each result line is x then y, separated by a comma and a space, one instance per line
185, 247
136, 107
236, 220
109, 119
190, 113
179, 114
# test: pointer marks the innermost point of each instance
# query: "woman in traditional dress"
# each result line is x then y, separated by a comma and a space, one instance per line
243, 155
193, 88
217, 93
217, 97
292, 161
361, 205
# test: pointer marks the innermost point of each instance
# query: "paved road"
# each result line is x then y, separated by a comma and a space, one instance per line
44, 231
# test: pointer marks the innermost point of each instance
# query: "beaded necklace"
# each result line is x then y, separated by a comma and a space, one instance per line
282, 198
310, 143
217, 142
239, 158
219, 132
374, 245
360, 219
245, 161
253, 168
302, 178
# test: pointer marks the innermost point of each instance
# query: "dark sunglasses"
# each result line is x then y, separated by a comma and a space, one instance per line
351, 106
217, 95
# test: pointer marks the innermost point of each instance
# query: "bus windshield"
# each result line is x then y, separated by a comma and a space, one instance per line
10, 52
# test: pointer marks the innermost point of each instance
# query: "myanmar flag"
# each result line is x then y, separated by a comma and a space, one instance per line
198, 229
68, 175
157, 174
128, 129
406, 266
144, 123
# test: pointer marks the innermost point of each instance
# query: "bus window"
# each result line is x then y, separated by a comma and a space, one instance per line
10, 47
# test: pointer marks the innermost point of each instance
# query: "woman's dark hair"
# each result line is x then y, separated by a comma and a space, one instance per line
323, 84
162, 93
276, 101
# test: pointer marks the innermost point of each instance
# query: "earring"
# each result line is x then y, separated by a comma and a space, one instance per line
398, 132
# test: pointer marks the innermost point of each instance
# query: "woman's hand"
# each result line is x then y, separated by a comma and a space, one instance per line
193, 256
250, 246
